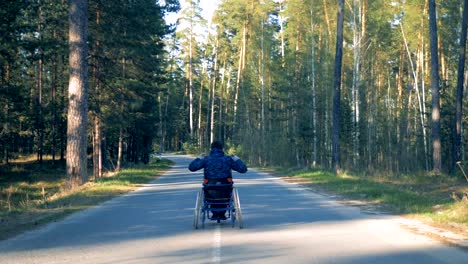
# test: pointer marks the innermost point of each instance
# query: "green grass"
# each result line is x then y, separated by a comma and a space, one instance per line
31, 195
424, 196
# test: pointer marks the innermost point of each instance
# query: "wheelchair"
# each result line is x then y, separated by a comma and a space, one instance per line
213, 199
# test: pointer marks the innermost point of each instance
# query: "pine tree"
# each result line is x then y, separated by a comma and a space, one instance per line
77, 94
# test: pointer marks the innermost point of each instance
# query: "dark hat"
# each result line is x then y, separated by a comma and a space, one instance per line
216, 144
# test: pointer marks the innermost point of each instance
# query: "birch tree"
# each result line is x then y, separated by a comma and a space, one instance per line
191, 19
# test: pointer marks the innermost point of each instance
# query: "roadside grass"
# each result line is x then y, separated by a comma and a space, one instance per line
32, 195
433, 199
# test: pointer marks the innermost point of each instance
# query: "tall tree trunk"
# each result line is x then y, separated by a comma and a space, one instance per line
97, 148
402, 107
294, 112
121, 129
166, 111
239, 70
40, 66
328, 110
336, 161
390, 157
457, 131
199, 133
423, 70
222, 107
281, 24
421, 101
436, 141
190, 75
63, 121
6, 128
262, 84
161, 122
213, 93
6, 109
208, 132
54, 108
356, 79
314, 92
97, 133
120, 150
40, 117
77, 93
363, 71
370, 103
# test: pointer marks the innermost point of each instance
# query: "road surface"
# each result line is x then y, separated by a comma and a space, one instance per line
284, 223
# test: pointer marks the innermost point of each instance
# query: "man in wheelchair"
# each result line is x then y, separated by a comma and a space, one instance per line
218, 170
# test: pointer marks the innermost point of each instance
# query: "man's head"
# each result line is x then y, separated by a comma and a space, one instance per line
217, 144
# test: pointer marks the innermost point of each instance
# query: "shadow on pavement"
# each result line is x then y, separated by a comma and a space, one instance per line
278, 217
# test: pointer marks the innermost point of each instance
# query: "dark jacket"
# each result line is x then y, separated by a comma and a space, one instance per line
217, 165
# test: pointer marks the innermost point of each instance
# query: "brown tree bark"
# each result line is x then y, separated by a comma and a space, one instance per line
436, 142
457, 145
336, 89
77, 94
55, 120
97, 147
39, 84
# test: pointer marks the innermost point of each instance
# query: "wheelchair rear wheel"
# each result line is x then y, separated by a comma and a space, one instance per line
197, 214
237, 214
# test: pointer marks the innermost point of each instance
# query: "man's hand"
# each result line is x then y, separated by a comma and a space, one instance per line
235, 158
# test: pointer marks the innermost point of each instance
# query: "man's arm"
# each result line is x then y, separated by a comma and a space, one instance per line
238, 165
197, 163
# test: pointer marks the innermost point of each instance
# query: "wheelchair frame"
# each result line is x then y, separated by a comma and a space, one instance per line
203, 206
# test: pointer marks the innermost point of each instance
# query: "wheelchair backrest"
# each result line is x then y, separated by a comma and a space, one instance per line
218, 191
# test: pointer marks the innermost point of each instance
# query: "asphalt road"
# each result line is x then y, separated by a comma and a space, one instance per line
284, 223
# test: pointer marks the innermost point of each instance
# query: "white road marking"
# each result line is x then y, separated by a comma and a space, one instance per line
216, 253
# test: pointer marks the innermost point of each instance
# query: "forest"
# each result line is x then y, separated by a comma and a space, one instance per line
354, 85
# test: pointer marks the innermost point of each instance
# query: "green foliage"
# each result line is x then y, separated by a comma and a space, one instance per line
191, 148
231, 149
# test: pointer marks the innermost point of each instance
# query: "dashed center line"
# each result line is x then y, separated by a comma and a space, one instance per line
216, 253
